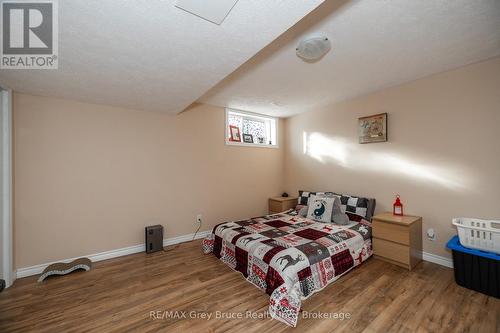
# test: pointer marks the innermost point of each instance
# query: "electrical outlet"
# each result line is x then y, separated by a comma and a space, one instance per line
198, 219
431, 234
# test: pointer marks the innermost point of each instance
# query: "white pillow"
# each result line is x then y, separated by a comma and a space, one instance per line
320, 208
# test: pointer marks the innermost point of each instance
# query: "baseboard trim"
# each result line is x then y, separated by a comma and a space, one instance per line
185, 238
443, 261
37, 269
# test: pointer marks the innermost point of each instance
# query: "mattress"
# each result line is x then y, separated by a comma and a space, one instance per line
290, 257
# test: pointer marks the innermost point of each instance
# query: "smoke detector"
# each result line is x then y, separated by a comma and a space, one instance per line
313, 48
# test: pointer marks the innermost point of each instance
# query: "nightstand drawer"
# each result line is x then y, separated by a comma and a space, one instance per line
275, 206
393, 232
393, 251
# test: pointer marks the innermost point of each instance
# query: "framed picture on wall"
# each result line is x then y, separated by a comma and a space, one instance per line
234, 134
373, 128
248, 138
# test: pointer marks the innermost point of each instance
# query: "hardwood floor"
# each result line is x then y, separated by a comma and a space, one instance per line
124, 294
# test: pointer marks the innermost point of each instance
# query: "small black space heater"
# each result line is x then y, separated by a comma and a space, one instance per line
154, 238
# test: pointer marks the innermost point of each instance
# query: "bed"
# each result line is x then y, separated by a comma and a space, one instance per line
291, 257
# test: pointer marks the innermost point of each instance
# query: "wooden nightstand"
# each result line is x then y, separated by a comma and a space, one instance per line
397, 239
280, 204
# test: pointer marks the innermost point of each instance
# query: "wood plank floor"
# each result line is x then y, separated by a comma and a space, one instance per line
119, 295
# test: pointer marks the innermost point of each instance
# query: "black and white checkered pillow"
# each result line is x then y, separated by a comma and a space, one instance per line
358, 206
304, 197
355, 205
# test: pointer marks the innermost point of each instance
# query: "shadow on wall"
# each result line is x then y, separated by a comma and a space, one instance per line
350, 155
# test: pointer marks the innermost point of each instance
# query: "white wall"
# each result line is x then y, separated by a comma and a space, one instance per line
89, 178
442, 157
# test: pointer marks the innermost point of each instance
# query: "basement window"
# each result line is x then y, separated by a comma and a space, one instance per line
251, 129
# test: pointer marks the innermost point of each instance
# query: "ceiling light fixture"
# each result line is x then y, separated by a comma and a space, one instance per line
313, 48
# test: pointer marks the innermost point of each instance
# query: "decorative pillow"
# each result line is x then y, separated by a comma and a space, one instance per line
304, 197
358, 206
350, 204
320, 208
340, 219
338, 216
303, 211
299, 209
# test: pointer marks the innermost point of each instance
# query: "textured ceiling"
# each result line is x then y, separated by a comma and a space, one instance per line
375, 44
150, 55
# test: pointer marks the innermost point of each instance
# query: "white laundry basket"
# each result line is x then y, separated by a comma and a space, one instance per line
479, 234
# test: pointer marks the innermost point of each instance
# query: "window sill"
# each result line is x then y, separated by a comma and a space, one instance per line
255, 145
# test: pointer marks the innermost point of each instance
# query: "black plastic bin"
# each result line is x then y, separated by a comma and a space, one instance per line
476, 270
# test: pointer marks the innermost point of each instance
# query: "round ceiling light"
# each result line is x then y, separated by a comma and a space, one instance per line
313, 48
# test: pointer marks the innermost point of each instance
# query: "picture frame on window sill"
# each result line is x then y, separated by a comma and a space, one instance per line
234, 134
247, 138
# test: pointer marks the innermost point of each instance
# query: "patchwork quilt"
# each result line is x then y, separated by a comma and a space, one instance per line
290, 257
